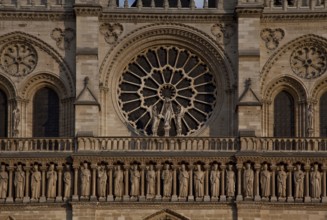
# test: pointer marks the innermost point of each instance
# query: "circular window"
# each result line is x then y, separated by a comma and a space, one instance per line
309, 61
18, 58
167, 91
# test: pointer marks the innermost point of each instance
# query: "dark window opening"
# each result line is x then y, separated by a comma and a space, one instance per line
284, 119
3, 114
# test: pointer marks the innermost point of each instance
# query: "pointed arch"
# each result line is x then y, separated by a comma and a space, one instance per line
65, 72
310, 39
166, 214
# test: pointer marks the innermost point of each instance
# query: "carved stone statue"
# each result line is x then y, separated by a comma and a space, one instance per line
67, 182
167, 178
281, 182
151, 182
298, 181
118, 182
168, 114
230, 181
183, 182
52, 181
248, 176
36, 183
315, 177
265, 181
102, 180
310, 116
179, 115
215, 180
135, 181
199, 182
16, 121
155, 118
3, 182
19, 182
85, 180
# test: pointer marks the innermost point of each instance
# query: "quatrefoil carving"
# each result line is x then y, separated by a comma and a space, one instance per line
223, 32
272, 37
111, 32
63, 37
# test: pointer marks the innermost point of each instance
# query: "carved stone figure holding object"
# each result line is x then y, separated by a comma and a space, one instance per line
36, 183
3, 182
52, 182
183, 182
315, 177
248, 177
298, 181
199, 182
230, 181
135, 181
265, 181
102, 181
19, 182
85, 180
167, 178
281, 182
67, 182
151, 182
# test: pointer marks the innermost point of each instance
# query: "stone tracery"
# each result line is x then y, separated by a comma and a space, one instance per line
165, 83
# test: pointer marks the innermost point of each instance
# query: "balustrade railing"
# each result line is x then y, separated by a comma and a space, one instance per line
157, 144
295, 5
37, 144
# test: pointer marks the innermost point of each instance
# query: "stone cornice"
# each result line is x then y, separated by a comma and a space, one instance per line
288, 17
38, 16
246, 11
87, 10
164, 17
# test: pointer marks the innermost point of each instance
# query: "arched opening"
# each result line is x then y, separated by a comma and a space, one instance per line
3, 114
323, 115
46, 113
284, 117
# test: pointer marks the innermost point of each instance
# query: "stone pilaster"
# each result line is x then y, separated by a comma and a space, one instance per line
59, 183
307, 197
290, 197
324, 197
190, 197
257, 196
222, 178
126, 180
207, 180
43, 169
75, 196
110, 196
273, 197
94, 182
239, 196
158, 169
27, 183
174, 197
142, 195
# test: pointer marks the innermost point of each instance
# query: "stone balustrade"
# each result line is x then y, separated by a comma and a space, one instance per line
295, 6
164, 144
36, 145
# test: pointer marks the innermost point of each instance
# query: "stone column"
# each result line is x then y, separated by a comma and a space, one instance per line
323, 187
110, 196
190, 194
239, 196
94, 182
75, 196
126, 180
174, 196
27, 183
290, 197
207, 180
257, 196
307, 197
10, 198
142, 196
222, 178
43, 169
158, 196
59, 192
273, 197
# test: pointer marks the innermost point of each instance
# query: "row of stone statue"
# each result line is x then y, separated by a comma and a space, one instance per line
170, 182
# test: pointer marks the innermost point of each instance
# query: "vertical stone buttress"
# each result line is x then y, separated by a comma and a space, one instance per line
249, 109
87, 65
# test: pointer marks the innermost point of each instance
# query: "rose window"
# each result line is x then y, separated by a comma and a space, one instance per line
18, 58
167, 91
309, 62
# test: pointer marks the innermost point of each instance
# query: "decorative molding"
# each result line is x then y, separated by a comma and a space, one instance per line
223, 32
63, 37
272, 37
289, 17
87, 10
18, 58
39, 16
111, 31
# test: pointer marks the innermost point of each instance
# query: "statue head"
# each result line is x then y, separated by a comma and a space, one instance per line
183, 167
315, 167
215, 166
118, 167
51, 167
36, 167
230, 167
85, 165
265, 166
135, 167
3, 167
298, 166
281, 167
167, 166
151, 167
19, 167
67, 167
248, 166
198, 166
